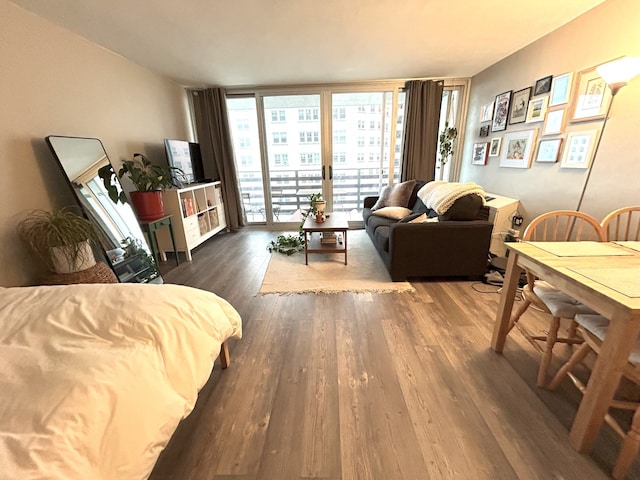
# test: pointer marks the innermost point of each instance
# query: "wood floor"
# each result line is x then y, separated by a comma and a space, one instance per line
370, 386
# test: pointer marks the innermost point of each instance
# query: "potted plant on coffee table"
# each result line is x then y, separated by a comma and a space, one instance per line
62, 240
148, 180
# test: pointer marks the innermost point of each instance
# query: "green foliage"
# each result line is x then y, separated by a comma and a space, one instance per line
290, 244
447, 137
145, 176
41, 231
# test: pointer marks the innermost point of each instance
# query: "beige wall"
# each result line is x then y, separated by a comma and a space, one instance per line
606, 32
54, 82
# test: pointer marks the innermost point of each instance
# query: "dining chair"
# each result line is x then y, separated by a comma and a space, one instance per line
593, 328
556, 226
622, 224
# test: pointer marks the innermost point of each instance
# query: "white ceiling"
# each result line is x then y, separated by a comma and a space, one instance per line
269, 42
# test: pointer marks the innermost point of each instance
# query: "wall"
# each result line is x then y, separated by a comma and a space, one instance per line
54, 82
604, 33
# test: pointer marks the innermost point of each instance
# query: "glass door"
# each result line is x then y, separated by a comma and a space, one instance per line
293, 149
366, 135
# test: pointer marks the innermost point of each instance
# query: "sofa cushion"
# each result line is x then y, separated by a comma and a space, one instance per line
375, 221
395, 195
411, 217
381, 237
392, 212
464, 208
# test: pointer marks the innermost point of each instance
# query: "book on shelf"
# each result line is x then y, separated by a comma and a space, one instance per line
187, 207
329, 238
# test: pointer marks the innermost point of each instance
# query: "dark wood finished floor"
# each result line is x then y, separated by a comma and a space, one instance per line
370, 387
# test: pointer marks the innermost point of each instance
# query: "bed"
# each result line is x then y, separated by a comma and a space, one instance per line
94, 379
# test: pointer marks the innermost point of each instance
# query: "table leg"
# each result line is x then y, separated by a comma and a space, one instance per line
345, 246
151, 232
306, 253
603, 382
503, 316
173, 243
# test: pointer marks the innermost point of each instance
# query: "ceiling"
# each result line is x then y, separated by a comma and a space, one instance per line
281, 42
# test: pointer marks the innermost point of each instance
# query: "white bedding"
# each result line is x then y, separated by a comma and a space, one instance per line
94, 379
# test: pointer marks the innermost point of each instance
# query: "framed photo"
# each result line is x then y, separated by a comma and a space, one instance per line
517, 149
542, 86
486, 112
591, 97
579, 149
501, 111
494, 147
561, 89
554, 123
480, 151
484, 131
537, 109
519, 106
548, 150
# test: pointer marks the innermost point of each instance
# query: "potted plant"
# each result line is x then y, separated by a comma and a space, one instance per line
62, 240
290, 244
148, 180
447, 137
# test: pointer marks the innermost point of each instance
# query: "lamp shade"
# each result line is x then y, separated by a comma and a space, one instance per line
619, 71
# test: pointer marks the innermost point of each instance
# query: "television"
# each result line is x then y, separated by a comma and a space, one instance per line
185, 156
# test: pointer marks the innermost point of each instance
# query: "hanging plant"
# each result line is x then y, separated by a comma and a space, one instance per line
290, 244
447, 138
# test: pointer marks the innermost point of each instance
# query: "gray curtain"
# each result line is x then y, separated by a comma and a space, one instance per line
423, 98
214, 137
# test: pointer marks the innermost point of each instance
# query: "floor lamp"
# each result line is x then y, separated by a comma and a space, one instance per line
616, 74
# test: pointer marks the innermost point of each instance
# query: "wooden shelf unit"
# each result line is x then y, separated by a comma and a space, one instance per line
198, 214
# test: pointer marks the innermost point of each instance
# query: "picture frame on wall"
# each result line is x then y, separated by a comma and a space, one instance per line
554, 123
486, 112
591, 97
543, 85
549, 150
578, 150
501, 111
517, 149
494, 147
484, 131
537, 109
561, 89
480, 151
519, 105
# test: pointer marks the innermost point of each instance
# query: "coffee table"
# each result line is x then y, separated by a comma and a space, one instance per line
336, 223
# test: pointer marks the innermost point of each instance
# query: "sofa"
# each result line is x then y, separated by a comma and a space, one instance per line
417, 241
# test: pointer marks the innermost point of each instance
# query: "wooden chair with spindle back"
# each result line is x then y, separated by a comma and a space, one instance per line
622, 224
556, 226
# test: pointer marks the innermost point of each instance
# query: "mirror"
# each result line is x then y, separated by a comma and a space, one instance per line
119, 233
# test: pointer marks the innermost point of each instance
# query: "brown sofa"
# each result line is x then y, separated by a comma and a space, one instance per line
455, 246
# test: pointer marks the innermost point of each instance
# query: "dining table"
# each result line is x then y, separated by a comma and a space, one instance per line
605, 276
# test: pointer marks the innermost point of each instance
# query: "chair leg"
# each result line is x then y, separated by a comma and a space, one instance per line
548, 351
629, 449
577, 357
573, 327
518, 314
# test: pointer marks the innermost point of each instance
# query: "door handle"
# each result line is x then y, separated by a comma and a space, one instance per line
330, 172
323, 177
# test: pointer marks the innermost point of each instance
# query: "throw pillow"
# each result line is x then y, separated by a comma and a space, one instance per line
464, 208
395, 195
410, 217
392, 212
420, 218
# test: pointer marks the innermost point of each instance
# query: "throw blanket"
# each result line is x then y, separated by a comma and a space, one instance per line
440, 195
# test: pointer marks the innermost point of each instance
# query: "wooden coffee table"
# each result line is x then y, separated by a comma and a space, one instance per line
336, 223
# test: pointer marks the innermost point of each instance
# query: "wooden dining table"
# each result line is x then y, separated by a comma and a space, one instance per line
604, 276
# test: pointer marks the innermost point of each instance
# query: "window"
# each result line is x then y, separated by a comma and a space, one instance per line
278, 116
340, 136
280, 138
246, 160
360, 124
339, 113
361, 141
361, 109
242, 124
310, 158
244, 142
361, 158
281, 159
308, 114
340, 157
309, 137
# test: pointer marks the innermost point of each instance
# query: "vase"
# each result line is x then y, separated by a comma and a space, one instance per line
63, 261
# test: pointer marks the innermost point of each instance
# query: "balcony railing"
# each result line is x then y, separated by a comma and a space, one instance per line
290, 190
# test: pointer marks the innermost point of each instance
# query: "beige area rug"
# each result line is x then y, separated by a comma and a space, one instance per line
327, 273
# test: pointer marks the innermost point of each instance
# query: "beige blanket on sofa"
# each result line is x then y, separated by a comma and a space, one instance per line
440, 195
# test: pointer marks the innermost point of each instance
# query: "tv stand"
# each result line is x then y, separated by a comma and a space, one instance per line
198, 214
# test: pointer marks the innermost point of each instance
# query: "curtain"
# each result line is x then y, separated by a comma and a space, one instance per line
422, 118
214, 137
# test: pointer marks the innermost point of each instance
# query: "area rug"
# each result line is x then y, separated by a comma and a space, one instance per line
327, 273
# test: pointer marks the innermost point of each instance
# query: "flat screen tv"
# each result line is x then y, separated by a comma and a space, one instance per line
185, 156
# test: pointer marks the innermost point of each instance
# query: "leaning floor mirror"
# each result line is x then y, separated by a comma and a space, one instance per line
120, 235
